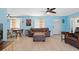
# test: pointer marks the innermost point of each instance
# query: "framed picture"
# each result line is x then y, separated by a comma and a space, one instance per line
28, 22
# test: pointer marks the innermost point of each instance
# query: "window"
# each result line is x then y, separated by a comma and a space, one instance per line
40, 23
15, 23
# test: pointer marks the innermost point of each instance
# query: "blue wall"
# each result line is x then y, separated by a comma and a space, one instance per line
48, 21
3, 20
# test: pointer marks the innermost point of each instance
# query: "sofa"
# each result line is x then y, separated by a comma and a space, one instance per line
42, 30
73, 38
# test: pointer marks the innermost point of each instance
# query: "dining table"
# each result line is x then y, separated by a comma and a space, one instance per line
18, 32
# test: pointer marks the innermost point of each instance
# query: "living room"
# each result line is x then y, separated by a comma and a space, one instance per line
38, 30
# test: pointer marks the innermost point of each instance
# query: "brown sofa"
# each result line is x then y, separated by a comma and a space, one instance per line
43, 30
73, 38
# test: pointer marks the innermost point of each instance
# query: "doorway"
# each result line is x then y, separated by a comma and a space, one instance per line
57, 26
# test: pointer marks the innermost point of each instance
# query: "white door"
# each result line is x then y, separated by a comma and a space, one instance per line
57, 26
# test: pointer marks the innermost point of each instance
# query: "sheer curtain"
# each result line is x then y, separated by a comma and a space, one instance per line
39, 23
15, 23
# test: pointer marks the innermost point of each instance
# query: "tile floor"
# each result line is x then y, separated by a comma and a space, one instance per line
53, 43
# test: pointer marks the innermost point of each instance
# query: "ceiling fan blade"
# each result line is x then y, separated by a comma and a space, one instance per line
48, 8
53, 12
47, 11
52, 8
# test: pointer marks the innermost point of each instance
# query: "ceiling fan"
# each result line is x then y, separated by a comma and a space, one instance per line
9, 16
50, 10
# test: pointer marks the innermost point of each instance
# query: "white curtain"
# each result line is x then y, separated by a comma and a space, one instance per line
39, 24
17, 20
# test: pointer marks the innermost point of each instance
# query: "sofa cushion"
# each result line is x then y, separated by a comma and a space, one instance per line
38, 33
72, 38
39, 29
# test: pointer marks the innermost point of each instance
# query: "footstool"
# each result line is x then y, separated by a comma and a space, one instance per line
38, 38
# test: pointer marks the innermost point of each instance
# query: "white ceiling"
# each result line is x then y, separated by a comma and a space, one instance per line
40, 11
